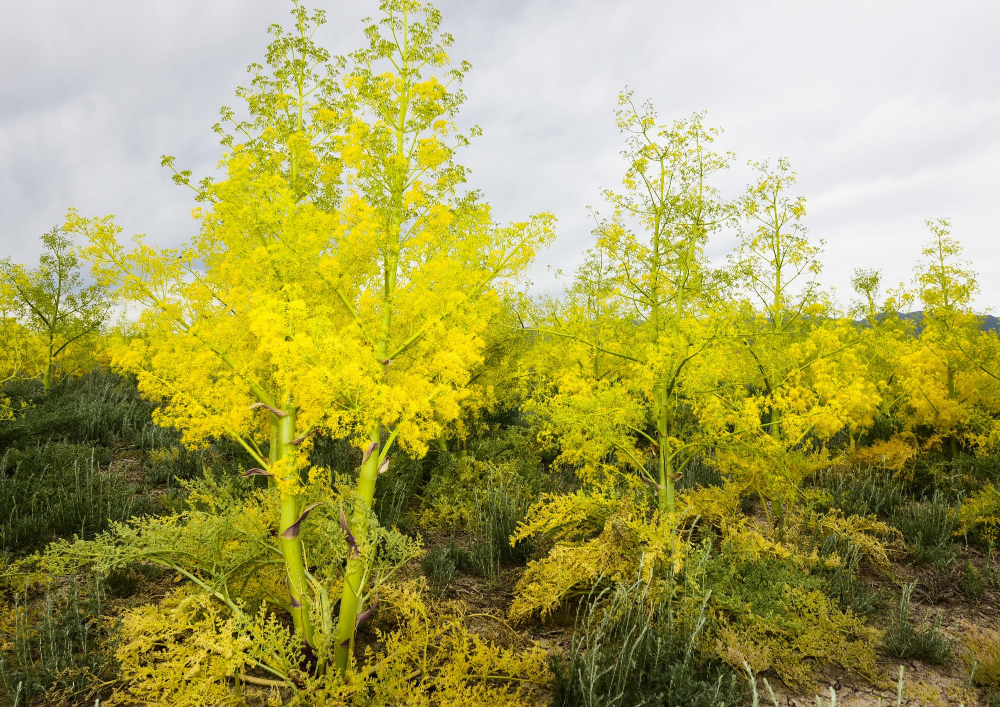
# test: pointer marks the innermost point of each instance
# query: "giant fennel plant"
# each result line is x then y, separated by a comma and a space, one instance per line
339, 284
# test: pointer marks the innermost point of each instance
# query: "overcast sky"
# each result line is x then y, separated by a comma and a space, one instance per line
889, 110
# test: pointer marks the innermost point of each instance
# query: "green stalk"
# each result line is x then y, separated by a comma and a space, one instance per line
291, 548
952, 395
274, 450
665, 495
354, 573
47, 376
357, 567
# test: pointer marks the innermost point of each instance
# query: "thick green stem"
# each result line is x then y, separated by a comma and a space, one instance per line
952, 395
291, 548
273, 451
47, 376
354, 573
666, 490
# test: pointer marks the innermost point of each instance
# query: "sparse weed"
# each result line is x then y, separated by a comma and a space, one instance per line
755, 695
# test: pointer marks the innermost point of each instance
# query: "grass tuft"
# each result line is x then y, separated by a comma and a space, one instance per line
904, 639
59, 647
928, 527
632, 646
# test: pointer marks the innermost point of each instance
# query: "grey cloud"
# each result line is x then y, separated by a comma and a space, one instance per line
888, 110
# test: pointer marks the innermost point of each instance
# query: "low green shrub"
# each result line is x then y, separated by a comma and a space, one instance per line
441, 565
904, 639
61, 648
929, 527
633, 645
451, 497
57, 490
972, 582
979, 516
862, 492
499, 508
774, 613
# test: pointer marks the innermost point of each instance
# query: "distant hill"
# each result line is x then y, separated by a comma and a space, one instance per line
989, 322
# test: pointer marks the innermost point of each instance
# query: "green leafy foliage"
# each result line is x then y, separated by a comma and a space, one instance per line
64, 314
979, 516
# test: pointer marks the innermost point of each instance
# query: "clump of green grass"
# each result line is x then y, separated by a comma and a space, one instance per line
88, 454
904, 639
929, 527
499, 507
60, 648
99, 408
700, 474
57, 490
632, 646
843, 583
397, 487
441, 566
863, 492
